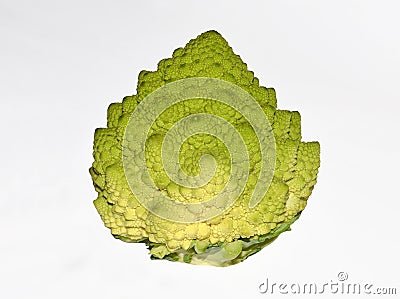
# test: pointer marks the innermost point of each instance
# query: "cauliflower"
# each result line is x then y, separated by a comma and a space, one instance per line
238, 230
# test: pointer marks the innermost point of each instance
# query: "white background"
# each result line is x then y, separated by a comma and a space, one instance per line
63, 62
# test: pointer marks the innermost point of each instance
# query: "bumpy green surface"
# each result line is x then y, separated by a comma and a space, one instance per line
239, 231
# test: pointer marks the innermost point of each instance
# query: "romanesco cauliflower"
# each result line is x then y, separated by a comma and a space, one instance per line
238, 231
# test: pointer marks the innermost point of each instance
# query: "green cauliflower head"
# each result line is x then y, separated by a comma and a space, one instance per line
240, 230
